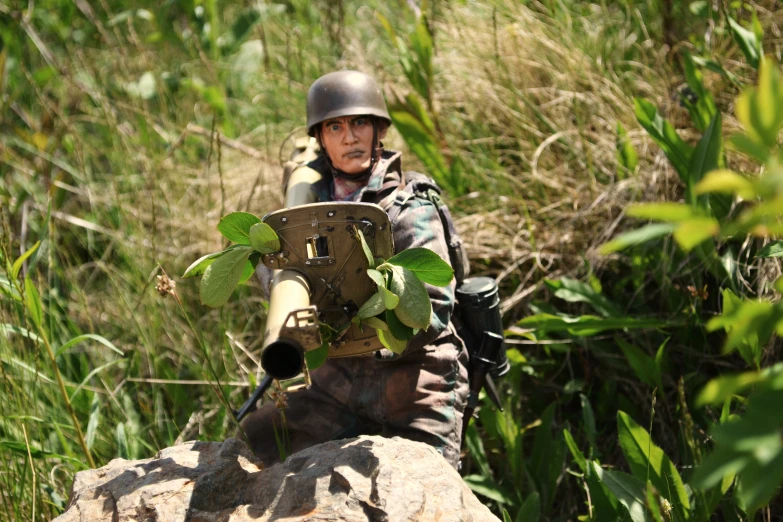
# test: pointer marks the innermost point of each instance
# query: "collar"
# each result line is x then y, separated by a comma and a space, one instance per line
387, 172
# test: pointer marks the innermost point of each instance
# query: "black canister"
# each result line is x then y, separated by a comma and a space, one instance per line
479, 311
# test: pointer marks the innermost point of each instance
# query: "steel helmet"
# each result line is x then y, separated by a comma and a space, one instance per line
344, 93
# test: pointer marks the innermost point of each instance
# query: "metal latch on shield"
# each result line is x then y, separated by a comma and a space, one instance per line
318, 251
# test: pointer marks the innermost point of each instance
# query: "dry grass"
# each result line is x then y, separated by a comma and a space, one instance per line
528, 101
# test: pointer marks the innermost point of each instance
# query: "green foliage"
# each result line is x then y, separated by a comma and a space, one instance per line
628, 490
515, 106
425, 264
222, 276
748, 447
412, 121
415, 308
773, 249
636, 237
650, 465
700, 102
237, 225
748, 41
660, 130
263, 239
627, 158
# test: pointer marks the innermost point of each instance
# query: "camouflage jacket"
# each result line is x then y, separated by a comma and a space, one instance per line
418, 225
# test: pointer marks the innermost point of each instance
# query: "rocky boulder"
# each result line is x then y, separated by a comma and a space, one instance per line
362, 479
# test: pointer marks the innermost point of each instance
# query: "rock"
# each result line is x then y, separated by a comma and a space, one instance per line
363, 479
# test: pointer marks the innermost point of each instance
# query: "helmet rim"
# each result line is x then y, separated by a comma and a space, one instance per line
344, 93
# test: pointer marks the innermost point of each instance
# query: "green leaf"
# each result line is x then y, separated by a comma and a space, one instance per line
315, 358
760, 482
390, 342
627, 158
222, 276
546, 458
750, 146
719, 464
749, 446
637, 237
708, 157
653, 503
376, 277
774, 249
669, 212
585, 325
642, 364
421, 43
359, 236
487, 487
9, 290
678, 152
575, 291
749, 319
649, 462
372, 307
721, 388
92, 424
397, 329
8, 329
386, 26
588, 421
605, 504
658, 361
87, 337
426, 264
530, 510
390, 300
33, 302
701, 106
216, 100
727, 182
628, 490
506, 516
410, 120
415, 307
17, 266
760, 109
236, 227
122, 441
476, 449
693, 232
376, 324
263, 238
247, 271
579, 457
199, 266
747, 42
23, 449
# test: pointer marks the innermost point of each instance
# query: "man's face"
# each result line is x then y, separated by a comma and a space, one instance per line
348, 142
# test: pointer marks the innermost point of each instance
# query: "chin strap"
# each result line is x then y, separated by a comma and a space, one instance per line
366, 173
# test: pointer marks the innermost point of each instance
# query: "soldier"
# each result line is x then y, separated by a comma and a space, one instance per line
419, 395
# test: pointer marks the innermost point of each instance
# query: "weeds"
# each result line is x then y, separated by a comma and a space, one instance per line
126, 130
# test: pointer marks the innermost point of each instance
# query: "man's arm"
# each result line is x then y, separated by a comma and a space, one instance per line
419, 225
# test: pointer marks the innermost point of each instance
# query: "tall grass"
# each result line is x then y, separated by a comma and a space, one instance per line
127, 130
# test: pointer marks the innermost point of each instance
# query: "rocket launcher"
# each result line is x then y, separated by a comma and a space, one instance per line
319, 280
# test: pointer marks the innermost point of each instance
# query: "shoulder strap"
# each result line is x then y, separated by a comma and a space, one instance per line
422, 186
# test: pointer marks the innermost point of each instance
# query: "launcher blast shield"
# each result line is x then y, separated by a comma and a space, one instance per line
320, 276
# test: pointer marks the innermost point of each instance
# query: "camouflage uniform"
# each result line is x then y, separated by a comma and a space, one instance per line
419, 395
